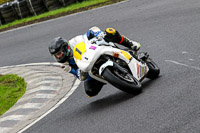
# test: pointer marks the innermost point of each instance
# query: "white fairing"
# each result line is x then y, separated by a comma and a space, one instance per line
94, 51
138, 69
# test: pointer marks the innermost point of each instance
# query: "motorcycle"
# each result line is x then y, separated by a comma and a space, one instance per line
107, 63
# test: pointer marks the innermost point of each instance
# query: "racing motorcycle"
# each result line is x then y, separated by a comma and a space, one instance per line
107, 63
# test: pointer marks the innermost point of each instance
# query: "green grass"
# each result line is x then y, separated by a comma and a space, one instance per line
4, 1
12, 88
69, 8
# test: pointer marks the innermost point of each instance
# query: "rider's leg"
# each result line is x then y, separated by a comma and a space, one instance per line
114, 36
92, 87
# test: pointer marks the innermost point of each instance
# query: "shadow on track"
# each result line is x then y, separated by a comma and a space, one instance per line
108, 102
101, 105
115, 99
111, 100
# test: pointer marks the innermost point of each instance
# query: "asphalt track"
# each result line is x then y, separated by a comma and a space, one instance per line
168, 30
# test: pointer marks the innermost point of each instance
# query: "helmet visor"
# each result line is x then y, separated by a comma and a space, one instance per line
61, 54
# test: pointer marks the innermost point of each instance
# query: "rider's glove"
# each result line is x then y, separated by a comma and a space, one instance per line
82, 75
135, 45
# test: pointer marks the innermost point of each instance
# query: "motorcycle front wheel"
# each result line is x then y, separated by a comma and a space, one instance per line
126, 83
154, 70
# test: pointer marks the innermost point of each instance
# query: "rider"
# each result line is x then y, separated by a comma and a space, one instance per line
62, 51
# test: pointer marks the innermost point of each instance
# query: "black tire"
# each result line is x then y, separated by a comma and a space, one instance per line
36, 2
129, 87
2, 21
23, 3
154, 70
52, 5
9, 14
7, 10
39, 9
52, 2
22, 11
50, 8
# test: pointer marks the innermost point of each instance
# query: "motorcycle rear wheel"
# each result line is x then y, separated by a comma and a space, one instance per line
127, 83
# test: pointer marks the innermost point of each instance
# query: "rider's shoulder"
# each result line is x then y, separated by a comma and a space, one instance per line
76, 40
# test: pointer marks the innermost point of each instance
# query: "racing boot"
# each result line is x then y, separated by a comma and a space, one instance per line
129, 43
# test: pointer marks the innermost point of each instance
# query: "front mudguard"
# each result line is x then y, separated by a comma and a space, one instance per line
114, 65
105, 65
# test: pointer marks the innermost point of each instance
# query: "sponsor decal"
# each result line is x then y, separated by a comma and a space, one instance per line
78, 51
92, 47
127, 55
138, 70
141, 70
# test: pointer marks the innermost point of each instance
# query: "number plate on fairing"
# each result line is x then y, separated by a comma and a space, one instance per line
79, 50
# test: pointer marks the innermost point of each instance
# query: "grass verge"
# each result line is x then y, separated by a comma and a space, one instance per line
76, 7
12, 88
4, 1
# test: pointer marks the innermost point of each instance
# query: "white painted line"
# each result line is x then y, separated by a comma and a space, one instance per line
54, 107
44, 96
191, 59
46, 82
3, 70
57, 78
28, 106
21, 71
9, 71
13, 117
42, 88
4, 129
184, 52
178, 63
34, 64
41, 74
45, 74
31, 96
29, 73
32, 80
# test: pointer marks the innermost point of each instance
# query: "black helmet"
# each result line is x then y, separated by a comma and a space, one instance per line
60, 49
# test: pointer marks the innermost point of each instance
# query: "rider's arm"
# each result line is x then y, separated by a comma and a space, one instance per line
80, 75
73, 69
